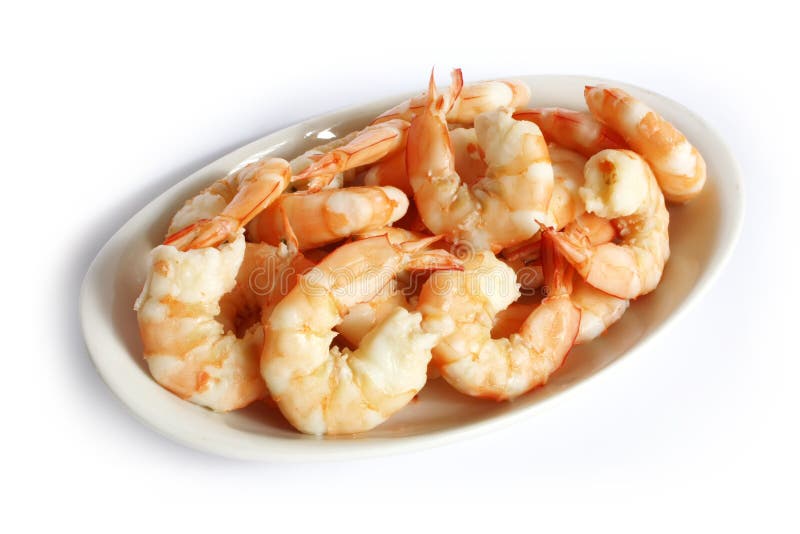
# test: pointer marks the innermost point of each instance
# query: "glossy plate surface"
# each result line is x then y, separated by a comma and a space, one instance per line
702, 237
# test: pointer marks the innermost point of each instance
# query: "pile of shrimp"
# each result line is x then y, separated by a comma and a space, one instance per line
462, 234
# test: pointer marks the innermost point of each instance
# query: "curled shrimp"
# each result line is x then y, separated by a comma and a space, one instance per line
330, 215
677, 165
326, 390
621, 187
462, 306
199, 312
465, 102
575, 130
363, 317
366, 146
497, 211
468, 160
242, 196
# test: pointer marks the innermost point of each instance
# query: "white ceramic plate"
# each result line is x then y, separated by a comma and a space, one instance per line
702, 237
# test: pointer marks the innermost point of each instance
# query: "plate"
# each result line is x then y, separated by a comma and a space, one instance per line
703, 234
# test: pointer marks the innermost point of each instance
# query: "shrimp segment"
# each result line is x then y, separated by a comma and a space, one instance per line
599, 310
369, 145
677, 165
462, 306
465, 102
574, 130
327, 216
621, 187
498, 211
244, 194
324, 390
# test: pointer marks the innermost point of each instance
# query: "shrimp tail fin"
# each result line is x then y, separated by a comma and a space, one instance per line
557, 271
433, 260
203, 233
455, 87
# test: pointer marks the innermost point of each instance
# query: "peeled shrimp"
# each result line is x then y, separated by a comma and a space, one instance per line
468, 160
677, 165
330, 215
238, 197
326, 390
369, 145
571, 129
462, 306
499, 210
621, 187
365, 315
465, 101
200, 309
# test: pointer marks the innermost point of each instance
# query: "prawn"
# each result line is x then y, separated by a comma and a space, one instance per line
677, 165
462, 307
239, 198
468, 160
329, 215
498, 211
621, 187
575, 130
465, 102
366, 146
198, 311
326, 390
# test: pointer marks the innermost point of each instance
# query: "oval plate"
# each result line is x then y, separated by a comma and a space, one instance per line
702, 234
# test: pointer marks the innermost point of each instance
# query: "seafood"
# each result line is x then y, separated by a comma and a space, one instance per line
326, 390
199, 312
329, 215
465, 102
571, 129
565, 203
362, 317
621, 187
235, 200
599, 310
461, 307
369, 145
677, 165
496, 212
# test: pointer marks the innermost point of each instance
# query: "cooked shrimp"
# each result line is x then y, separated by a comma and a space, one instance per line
307, 158
241, 196
365, 315
465, 102
496, 212
200, 309
677, 165
468, 161
621, 187
369, 145
565, 203
330, 215
462, 306
468, 156
324, 390
599, 310
574, 130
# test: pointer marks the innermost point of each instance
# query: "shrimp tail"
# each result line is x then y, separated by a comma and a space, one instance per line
557, 271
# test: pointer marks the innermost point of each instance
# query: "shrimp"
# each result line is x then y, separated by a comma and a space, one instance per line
462, 306
369, 145
465, 102
621, 187
324, 390
307, 158
365, 315
499, 210
575, 130
327, 216
199, 311
677, 165
241, 196
599, 310
565, 203
469, 163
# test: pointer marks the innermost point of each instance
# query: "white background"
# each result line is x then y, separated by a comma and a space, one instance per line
103, 107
